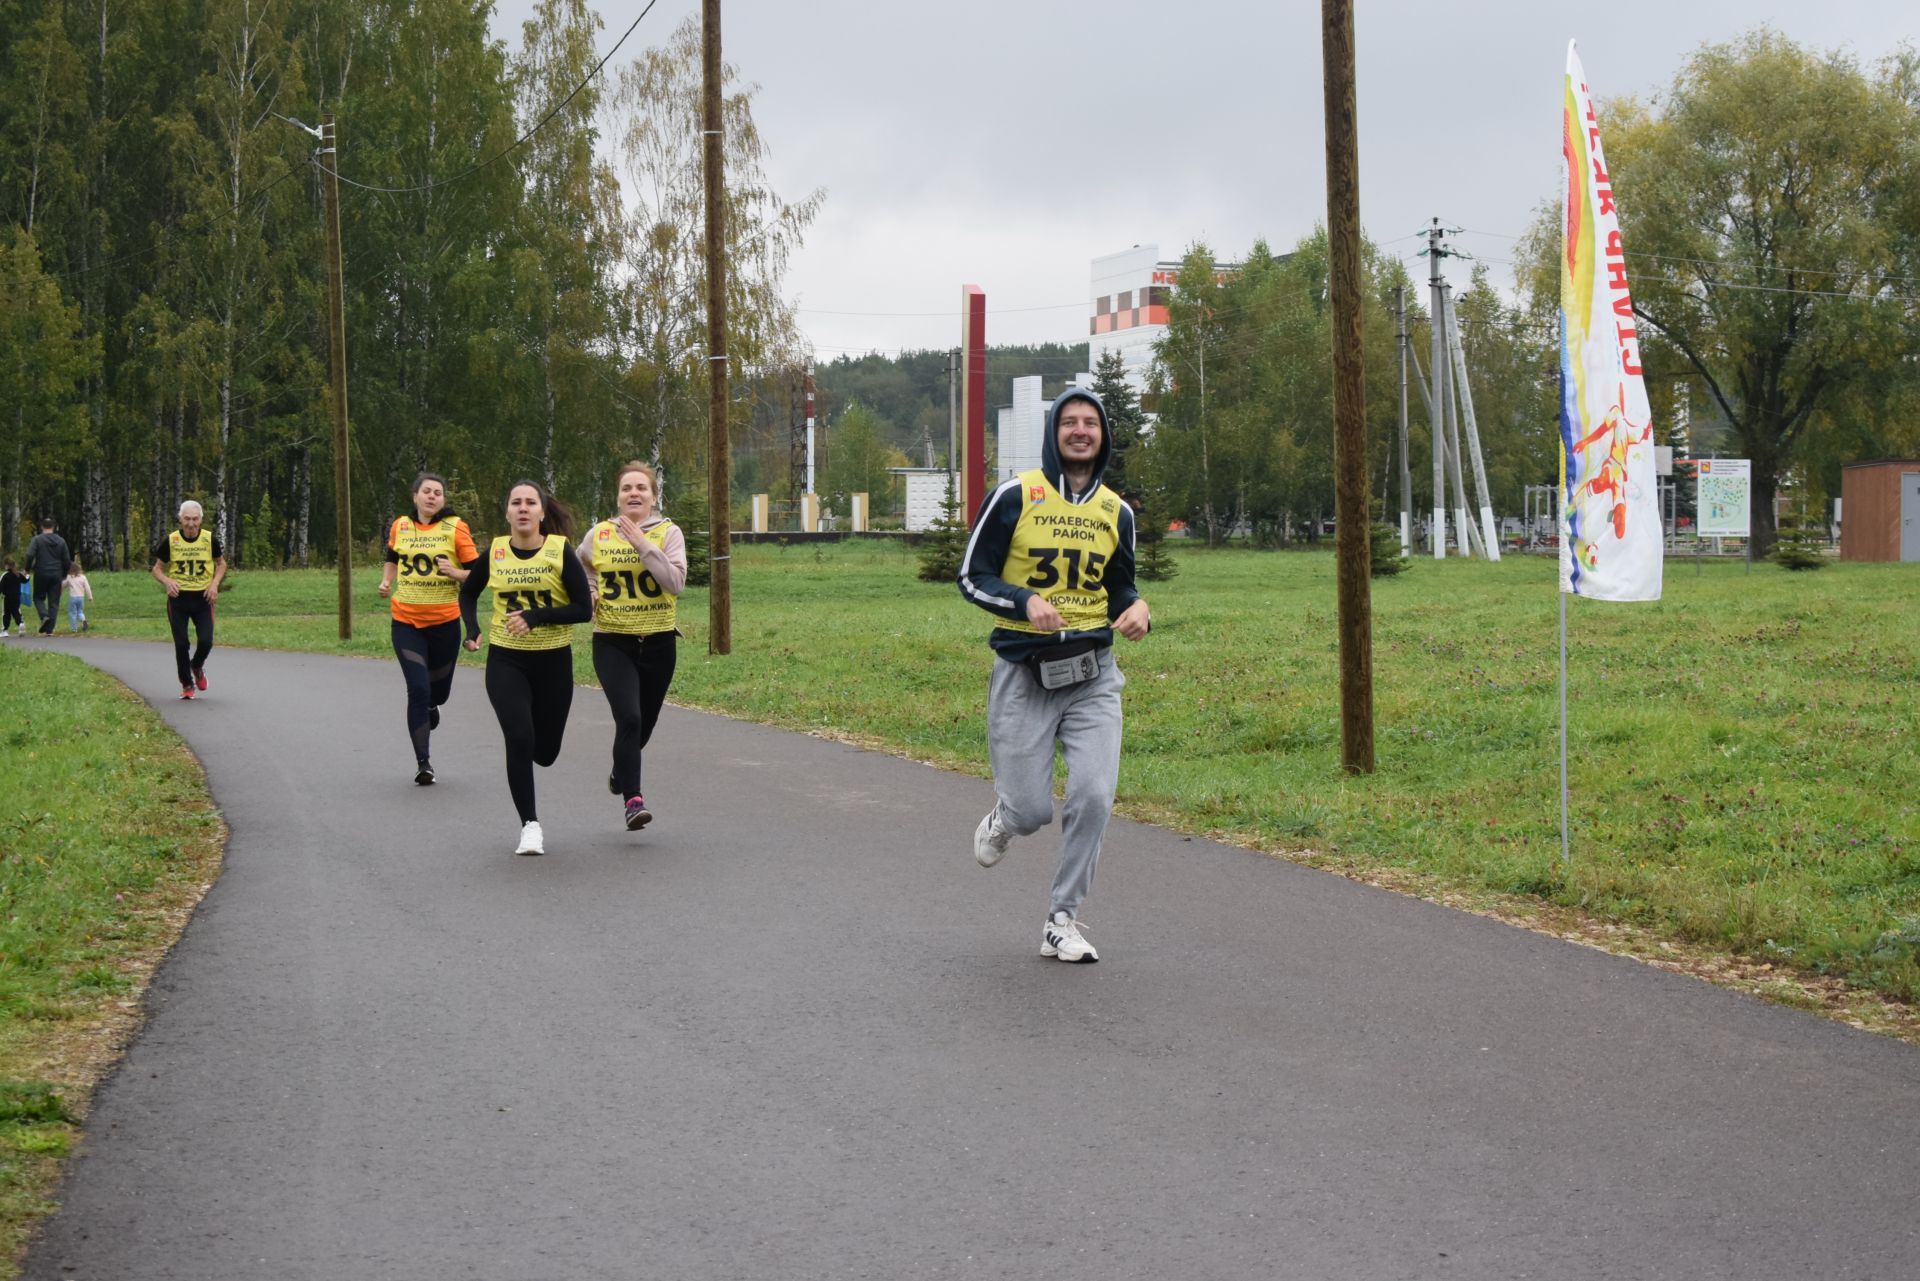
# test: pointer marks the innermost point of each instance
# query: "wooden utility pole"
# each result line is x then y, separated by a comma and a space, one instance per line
337, 341
1352, 511
719, 456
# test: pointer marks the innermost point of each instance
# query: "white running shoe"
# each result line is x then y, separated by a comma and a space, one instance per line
990, 840
531, 840
1062, 940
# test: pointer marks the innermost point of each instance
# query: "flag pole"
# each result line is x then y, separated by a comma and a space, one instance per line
1566, 861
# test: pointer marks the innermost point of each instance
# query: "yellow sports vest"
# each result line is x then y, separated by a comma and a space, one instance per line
190, 561
632, 602
1060, 550
421, 582
527, 584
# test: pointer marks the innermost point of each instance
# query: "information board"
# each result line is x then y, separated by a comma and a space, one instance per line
1725, 493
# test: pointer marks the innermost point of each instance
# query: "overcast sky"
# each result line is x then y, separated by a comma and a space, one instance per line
1008, 143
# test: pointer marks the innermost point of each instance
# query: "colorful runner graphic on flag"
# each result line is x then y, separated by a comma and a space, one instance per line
1610, 535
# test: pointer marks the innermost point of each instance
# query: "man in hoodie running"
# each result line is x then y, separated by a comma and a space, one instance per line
1051, 558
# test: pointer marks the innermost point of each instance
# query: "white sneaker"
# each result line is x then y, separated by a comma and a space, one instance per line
1062, 940
531, 840
990, 840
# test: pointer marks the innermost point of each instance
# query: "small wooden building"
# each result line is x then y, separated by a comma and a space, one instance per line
1880, 510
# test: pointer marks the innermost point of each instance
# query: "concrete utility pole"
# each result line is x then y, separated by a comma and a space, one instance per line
337, 362
1489, 534
1436, 399
719, 456
1406, 467
1464, 535
810, 423
1352, 510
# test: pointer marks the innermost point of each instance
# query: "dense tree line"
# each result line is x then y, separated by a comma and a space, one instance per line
908, 392
1243, 392
516, 305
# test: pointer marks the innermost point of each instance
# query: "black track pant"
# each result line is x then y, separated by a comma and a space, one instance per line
46, 602
428, 656
634, 672
10, 611
190, 605
531, 691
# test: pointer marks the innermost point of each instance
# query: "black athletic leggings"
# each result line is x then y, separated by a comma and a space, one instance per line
10, 611
190, 605
634, 672
428, 656
531, 691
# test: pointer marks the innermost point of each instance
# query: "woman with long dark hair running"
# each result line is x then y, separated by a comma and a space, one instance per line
421, 549
539, 592
638, 561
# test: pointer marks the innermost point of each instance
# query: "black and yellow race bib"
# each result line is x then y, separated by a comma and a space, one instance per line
421, 582
1061, 550
632, 602
190, 560
533, 583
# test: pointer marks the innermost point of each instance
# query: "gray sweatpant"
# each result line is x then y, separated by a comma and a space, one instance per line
1024, 722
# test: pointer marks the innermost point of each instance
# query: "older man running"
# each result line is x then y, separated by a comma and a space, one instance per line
190, 565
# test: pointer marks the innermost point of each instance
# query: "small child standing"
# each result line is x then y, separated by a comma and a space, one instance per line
79, 591
10, 585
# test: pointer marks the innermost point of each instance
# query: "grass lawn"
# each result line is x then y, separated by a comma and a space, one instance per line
107, 840
1742, 757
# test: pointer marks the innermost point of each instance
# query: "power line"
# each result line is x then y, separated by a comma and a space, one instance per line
232, 215
991, 311
1718, 262
1758, 289
521, 140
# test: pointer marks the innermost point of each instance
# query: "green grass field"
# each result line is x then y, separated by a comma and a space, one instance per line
107, 839
1742, 759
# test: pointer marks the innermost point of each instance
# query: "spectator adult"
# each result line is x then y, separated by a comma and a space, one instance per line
48, 560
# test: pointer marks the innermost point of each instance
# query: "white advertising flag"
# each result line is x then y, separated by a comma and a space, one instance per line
1610, 532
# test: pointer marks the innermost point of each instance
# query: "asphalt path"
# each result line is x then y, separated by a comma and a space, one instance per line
793, 1031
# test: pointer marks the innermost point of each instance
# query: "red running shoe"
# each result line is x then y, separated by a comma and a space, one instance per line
199, 678
186, 691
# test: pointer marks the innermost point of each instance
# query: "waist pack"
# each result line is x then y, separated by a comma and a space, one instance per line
1059, 666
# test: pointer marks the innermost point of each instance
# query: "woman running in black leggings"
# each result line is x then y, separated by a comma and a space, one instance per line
638, 561
421, 549
539, 593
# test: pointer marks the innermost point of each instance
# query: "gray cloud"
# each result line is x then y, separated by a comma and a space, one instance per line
1007, 144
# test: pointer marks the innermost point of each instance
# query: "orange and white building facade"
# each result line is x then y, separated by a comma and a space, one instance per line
1128, 308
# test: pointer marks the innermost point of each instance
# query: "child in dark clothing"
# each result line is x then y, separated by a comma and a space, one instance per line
10, 584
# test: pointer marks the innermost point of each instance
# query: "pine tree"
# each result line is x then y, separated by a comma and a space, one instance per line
1799, 544
1124, 418
1151, 561
943, 545
691, 514
1387, 559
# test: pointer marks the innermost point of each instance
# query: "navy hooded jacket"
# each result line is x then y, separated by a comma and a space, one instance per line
987, 547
